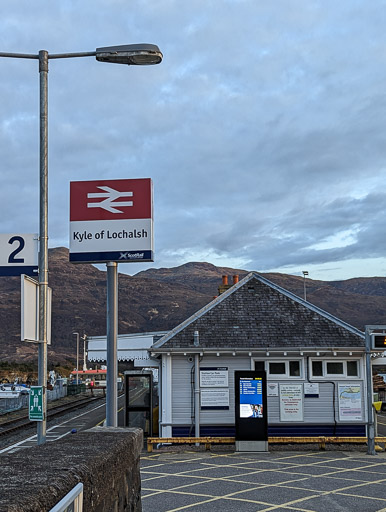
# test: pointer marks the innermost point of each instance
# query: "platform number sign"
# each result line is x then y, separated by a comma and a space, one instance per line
18, 254
36, 403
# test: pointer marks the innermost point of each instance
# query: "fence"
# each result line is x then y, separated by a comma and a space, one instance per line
21, 402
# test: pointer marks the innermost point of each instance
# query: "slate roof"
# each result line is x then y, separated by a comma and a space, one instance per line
256, 313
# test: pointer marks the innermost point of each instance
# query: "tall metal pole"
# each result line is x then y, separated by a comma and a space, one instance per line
112, 359
369, 381
305, 273
196, 337
84, 352
43, 241
77, 356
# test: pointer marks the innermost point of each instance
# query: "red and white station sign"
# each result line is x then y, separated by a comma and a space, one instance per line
111, 220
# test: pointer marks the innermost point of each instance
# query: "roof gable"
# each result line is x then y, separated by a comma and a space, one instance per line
256, 313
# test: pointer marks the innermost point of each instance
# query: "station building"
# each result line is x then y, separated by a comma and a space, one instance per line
315, 365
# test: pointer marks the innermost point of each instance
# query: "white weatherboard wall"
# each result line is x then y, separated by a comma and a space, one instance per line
181, 389
318, 410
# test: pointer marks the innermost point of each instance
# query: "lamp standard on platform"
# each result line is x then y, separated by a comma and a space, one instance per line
77, 356
132, 54
305, 273
84, 338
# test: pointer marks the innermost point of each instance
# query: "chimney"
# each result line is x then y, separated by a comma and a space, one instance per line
235, 279
224, 286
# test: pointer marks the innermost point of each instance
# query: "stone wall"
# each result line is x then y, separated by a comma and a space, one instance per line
104, 459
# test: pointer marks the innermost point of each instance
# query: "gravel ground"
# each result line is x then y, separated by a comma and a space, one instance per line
30, 431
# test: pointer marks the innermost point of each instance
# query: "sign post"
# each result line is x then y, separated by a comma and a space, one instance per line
111, 221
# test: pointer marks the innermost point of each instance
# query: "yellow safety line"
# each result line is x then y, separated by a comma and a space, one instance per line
283, 485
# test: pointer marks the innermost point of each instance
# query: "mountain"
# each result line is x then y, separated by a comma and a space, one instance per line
159, 299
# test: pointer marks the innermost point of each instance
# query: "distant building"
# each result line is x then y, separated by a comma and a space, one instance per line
130, 347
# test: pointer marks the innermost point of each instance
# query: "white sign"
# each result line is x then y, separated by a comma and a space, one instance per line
30, 310
350, 402
272, 389
19, 254
111, 220
291, 402
311, 388
214, 377
214, 398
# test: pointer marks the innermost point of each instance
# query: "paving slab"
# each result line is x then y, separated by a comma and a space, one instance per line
254, 482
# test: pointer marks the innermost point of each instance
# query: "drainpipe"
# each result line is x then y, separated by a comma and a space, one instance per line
196, 388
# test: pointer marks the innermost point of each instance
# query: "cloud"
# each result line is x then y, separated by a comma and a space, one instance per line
263, 128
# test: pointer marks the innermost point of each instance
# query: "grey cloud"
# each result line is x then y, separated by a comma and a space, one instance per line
263, 128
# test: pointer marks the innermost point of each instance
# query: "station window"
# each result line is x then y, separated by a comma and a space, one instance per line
334, 368
277, 368
352, 369
284, 369
317, 369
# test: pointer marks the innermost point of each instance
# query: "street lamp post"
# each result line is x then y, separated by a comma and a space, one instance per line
132, 54
77, 356
84, 338
305, 273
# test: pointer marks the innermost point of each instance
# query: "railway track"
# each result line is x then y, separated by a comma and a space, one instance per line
17, 424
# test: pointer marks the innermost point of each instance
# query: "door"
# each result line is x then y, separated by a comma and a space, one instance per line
138, 402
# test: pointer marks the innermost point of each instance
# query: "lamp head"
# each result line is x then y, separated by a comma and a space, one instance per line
131, 54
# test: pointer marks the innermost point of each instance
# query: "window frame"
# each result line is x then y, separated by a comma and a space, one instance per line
336, 376
286, 362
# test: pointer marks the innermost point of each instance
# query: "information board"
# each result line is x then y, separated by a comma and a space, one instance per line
291, 402
214, 377
214, 398
350, 402
251, 406
251, 397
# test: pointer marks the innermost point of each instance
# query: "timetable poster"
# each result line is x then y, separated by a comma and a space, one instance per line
251, 397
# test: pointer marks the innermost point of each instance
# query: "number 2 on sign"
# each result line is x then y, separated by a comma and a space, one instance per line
21, 242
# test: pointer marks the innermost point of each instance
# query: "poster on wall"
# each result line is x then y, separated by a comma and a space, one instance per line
251, 398
273, 389
214, 377
311, 389
291, 402
350, 402
214, 399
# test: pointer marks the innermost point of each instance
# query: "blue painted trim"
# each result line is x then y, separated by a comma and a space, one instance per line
10, 270
278, 430
105, 257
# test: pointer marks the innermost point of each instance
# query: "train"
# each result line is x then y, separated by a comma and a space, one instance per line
98, 376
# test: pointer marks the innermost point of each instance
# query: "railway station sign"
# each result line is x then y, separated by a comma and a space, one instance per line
19, 254
35, 408
111, 220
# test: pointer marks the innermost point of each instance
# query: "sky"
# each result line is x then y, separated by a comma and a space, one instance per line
263, 129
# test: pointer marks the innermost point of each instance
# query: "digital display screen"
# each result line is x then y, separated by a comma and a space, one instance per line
251, 397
